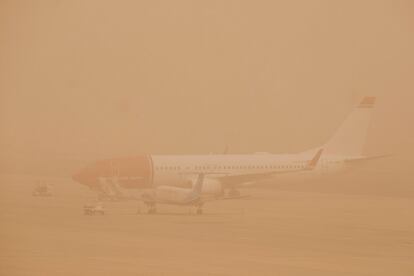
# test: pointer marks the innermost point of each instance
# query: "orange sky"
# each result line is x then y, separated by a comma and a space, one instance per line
84, 79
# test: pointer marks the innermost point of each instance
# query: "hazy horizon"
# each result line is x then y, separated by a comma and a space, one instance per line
82, 80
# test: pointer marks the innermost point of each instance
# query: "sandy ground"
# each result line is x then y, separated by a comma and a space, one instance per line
305, 231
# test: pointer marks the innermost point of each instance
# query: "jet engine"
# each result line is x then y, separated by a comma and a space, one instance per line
212, 187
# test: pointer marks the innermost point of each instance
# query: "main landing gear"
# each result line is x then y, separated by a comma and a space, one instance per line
151, 209
199, 210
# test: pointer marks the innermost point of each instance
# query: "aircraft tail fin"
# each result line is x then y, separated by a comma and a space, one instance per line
350, 138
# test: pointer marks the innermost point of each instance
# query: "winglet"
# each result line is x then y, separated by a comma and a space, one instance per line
312, 163
367, 102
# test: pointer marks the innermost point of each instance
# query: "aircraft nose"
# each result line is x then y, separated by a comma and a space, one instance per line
133, 172
77, 177
85, 177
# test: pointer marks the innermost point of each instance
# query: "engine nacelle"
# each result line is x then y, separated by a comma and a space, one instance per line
212, 187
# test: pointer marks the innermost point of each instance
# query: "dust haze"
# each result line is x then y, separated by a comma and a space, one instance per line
86, 80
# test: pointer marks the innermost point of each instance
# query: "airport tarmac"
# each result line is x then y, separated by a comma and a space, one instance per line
298, 231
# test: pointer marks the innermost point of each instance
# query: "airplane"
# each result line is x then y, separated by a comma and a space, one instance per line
193, 197
113, 177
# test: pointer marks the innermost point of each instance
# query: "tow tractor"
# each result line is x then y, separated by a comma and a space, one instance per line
93, 209
42, 190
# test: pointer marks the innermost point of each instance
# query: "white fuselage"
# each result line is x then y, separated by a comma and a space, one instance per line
173, 175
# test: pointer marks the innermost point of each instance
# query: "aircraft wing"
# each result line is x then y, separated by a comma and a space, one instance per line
249, 177
205, 199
